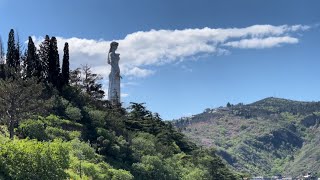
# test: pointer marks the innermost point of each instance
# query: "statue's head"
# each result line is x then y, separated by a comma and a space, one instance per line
113, 46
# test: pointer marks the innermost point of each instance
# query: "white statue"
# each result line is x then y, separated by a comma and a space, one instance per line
114, 76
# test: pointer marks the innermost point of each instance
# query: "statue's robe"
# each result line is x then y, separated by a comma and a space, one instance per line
114, 79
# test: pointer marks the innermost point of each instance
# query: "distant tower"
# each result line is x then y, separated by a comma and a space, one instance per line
114, 76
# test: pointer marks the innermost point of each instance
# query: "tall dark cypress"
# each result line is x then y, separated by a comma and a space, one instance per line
65, 66
2, 60
31, 59
17, 54
54, 64
44, 52
1, 52
11, 50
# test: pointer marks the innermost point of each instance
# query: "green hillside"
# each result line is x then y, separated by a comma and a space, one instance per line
56, 124
268, 137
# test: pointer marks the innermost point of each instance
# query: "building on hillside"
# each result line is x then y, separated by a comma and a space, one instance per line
286, 178
272, 178
260, 178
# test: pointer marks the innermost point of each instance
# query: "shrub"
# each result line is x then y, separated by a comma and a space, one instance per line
120, 174
53, 132
33, 129
49, 128
31, 159
73, 113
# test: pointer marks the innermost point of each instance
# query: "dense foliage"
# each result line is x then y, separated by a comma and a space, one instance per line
31, 159
57, 125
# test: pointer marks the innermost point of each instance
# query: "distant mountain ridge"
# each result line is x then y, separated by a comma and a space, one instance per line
267, 137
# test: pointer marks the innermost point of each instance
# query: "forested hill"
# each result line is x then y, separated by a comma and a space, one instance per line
268, 137
56, 124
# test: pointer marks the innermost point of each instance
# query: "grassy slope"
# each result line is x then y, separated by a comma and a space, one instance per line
267, 137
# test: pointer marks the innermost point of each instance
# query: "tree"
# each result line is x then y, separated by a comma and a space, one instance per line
2, 61
143, 144
65, 66
1, 52
139, 118
153, 167
32, 60
44, 57
19, 99
54, 64
73, 113
87, 82
17, 54
75, 78
11, 50
90, 83
213, 164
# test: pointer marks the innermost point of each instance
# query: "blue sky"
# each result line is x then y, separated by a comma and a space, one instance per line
180, 56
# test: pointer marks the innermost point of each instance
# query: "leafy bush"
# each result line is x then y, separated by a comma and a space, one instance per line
31, 159
143, 144
33, 129
86, 164
49, 128
152, 167
73, 113
54, 132
120, 174
97, 117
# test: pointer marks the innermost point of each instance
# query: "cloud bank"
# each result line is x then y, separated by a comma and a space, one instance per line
140, 51
261, 43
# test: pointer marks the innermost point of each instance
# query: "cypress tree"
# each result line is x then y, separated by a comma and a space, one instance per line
44, 58
2, 65
1, 52
54, 64
31, 59
17, 54
65, 65
38, 66
11, 50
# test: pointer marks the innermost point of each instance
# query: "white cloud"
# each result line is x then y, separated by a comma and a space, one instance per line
130, 83
260, 43
124, 95
141, 50
138, 72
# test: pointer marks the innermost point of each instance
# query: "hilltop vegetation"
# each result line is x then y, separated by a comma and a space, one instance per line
268, 137
56, 125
